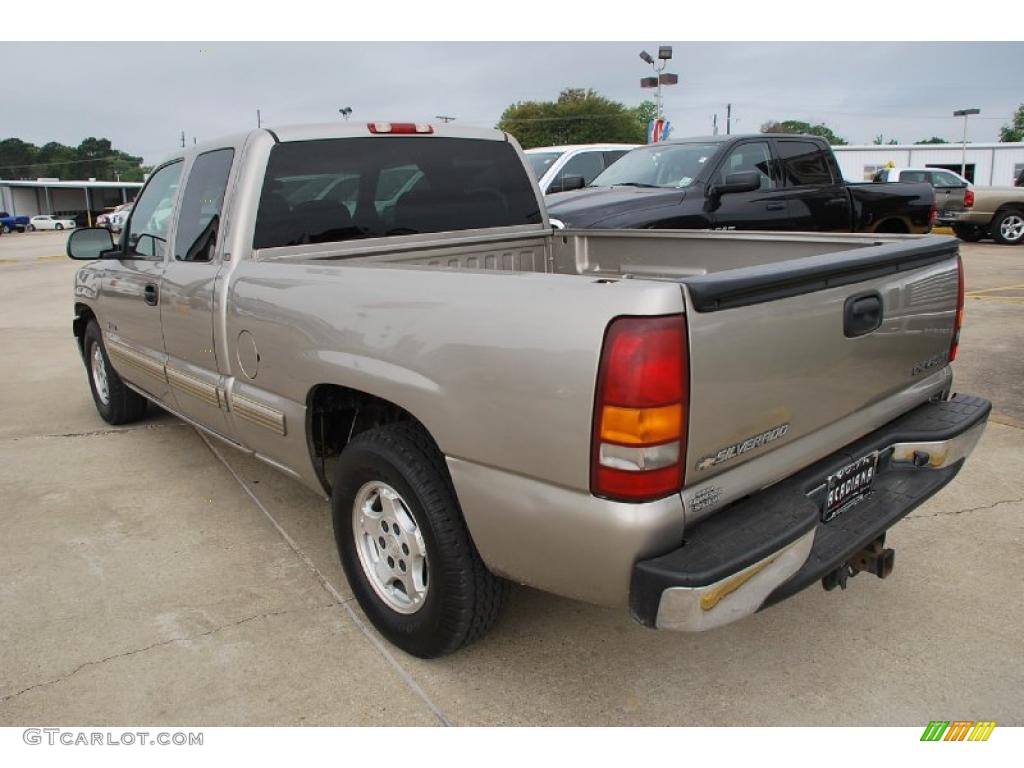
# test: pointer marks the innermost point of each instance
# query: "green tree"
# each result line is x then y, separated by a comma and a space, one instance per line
54, 160
92, 158
579, 116
1014, 131
799, 126
932, 140
16, 159
880, 139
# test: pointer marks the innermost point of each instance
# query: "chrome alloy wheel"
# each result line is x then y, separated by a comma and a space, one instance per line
99, 375
1012, 228
390, 546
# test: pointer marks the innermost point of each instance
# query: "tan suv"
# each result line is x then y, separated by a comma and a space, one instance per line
997, 212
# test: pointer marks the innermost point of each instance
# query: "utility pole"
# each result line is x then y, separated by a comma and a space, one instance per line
714, 125
963, 152
182, 138
444, 118
259, 120
728, 119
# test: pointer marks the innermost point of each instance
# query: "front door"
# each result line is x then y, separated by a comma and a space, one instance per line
764, 208
129, 305
189, 306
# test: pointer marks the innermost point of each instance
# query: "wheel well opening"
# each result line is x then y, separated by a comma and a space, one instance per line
893, 227
335, 414
83, 314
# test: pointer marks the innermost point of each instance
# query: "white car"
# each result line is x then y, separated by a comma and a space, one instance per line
552, 165
50, 222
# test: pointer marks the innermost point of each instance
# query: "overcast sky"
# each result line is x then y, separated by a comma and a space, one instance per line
142, 95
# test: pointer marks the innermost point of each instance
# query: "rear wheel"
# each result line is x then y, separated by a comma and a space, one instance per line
31, 227
969, 233
59, 226
7, 229
115, 402
404, 546
1008, 227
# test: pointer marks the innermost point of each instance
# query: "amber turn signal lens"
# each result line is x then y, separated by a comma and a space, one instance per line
641, 426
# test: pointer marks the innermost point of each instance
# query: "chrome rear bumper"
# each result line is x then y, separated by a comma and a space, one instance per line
770, 546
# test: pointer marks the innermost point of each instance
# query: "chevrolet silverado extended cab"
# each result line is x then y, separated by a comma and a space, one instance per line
695, 425
758, 181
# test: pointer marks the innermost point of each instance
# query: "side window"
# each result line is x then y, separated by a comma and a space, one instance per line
201, 206
916, 176
585, 164
754, 156
146, 231
804, 163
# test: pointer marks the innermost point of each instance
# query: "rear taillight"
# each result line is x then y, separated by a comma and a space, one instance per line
959, 319
639, 440
400, 128
969, 198
933, 215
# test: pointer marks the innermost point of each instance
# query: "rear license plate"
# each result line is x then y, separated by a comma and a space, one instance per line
849, 485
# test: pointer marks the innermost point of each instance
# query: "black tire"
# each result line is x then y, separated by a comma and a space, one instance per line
31, 227
123, 406
969, 233
7, 230
1000, 219
463, 599
59, 226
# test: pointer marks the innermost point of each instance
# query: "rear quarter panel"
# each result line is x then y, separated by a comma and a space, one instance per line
500, 367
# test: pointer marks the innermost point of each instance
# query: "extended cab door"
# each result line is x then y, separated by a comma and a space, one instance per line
188, 308
817, 195
765, 208
129, 305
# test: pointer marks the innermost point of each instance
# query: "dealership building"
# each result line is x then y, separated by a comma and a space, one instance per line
64, 198
987, 165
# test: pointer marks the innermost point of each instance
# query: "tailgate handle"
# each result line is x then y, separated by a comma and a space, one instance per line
862, 314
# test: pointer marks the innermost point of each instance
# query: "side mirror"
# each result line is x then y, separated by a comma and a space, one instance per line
90, 243
569, 183
744, 181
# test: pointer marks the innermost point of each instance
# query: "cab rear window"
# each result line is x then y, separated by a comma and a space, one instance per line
334, 190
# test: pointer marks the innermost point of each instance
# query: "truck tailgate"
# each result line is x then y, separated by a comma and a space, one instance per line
780, 352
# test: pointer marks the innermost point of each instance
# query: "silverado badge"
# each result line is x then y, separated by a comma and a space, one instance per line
737, 449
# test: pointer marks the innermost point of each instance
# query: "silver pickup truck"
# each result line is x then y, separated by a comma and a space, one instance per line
695, 425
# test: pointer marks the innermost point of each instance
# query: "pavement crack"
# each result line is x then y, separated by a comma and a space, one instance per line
152, 646
950, 513
95, 432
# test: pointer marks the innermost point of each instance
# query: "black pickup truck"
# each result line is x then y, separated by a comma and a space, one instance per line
758, 181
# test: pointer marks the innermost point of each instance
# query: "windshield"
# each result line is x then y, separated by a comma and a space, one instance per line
541, 161
659, 165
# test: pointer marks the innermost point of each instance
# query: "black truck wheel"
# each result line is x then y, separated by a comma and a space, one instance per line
404, 545
116, 403
969, 233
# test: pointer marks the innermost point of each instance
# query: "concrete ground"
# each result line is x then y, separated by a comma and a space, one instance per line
147, 579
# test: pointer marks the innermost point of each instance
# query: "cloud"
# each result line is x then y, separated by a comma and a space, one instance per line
143, 95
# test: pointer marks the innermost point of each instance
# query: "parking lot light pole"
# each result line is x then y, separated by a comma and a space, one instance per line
659, 79
963, 155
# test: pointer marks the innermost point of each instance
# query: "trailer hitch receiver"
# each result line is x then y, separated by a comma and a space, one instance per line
874, 558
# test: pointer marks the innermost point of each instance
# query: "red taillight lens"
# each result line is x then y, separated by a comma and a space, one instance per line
639, 440
933, 215
969, 198
959, 319
400, 128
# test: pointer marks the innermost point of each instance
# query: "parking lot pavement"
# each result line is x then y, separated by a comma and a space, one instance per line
148, 579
